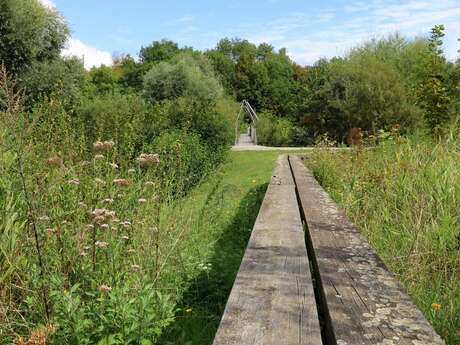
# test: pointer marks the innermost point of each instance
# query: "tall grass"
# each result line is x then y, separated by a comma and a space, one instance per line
404, 196
94, 242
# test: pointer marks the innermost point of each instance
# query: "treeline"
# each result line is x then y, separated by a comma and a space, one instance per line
381, 84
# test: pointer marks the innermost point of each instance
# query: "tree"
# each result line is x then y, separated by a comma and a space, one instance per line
158, 51
63, 78
29, 33
103, 78
183, 77
434, 97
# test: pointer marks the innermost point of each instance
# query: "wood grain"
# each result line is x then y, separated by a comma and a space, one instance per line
272, 301
366, 303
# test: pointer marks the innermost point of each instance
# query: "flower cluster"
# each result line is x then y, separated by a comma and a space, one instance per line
103, 146
148, 159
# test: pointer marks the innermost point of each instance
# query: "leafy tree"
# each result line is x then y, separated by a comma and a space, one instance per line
61, 78
434, 97
104, 79
29, 33
185, 76
158, 51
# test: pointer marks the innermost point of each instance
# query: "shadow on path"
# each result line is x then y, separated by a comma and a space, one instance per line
203, 303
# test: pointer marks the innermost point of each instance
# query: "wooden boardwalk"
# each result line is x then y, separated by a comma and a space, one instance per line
309, 277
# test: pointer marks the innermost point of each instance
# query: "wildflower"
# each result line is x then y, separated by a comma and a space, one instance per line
101, 244
101, 214
54, 162
114, 165
104, 226
44, 218
98, 157
126, 224
108, 201
149, 184
121, 182
136, 268
435, 306
101, 146
125, 238
188, 310
99, 181
87, 247
85, 163
105, 288
82, 204
254, 181
90, 226
131, 251
131, 171
142, 201
74, 182
83, 253
148, 159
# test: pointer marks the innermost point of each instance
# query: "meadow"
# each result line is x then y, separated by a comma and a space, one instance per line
404, 194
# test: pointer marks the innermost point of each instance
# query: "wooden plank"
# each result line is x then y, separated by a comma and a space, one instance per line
272, 301
365, 302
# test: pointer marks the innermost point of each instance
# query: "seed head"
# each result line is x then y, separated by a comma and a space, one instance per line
55, 162
103, 146
121, 182
148, 159
105, 288
101, 244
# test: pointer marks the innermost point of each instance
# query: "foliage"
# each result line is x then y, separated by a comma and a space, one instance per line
60, 78
184, 77
258, 74
29, 32
403, 195
433, 94
273, 131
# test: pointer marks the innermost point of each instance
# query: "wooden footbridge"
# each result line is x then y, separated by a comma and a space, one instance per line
309, 278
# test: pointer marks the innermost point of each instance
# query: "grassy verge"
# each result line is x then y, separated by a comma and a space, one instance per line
220, 214
405, 196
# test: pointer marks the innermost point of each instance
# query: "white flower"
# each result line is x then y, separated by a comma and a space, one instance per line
101, 244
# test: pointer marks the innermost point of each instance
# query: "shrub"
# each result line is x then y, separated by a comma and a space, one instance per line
273, 131
126, 119
186, 160
184, 76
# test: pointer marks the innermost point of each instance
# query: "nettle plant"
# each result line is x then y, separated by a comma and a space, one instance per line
87, 257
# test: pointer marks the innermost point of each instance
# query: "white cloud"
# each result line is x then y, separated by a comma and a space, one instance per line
90, 55
47, 3
307, 40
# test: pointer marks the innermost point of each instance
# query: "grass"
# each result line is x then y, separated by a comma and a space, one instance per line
404, 196
223, 211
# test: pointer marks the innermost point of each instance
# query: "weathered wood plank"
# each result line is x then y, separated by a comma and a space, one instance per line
365, 301
272, 301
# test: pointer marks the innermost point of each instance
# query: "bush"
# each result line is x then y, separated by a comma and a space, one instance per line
126, 119
184, 76
273, 131
185, 160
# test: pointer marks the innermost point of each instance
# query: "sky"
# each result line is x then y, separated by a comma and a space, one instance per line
308, 29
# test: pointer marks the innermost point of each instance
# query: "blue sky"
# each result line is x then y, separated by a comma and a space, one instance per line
308, 29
